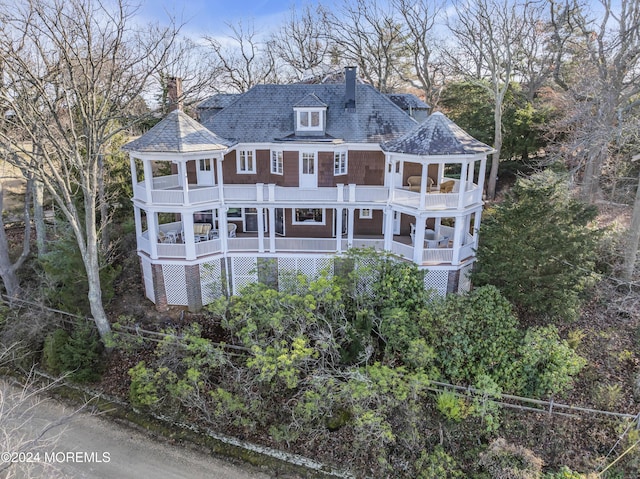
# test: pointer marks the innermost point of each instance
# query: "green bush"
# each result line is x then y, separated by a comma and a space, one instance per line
437, 465
52, 351
547, 362
81, 355
539, 248
475, 335
452, 406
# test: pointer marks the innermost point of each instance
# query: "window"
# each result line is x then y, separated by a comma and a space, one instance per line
310, 120
309, 216
205, 165
308, 163
276, 162
245, 162
366, 213
340, 163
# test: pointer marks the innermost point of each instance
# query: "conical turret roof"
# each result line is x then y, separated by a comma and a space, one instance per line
178, 133
437, 135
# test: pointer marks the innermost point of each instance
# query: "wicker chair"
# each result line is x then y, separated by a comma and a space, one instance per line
447, 186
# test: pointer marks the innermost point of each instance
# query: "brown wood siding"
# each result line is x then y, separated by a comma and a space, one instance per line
262, 174
368, 227
325, 169
291, 169
364, 168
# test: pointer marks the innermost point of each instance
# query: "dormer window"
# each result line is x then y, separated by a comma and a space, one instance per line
310, 120
310, 114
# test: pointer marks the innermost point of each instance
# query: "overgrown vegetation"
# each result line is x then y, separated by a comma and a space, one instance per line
354, 353
539, 248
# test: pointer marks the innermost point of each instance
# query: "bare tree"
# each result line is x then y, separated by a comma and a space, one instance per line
369, 35
72, 69
633, 239
488, 38
243, 59
427, 72
9, 269
301, 44
603, 82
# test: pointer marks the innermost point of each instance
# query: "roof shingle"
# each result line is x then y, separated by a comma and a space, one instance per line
437, 135
178, 133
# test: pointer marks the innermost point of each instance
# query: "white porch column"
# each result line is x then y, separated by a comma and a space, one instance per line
462, 185
188, 237
222, 231
388, 229
476, 227
438, 224
388, 169
418, 243
134, 175
350, 222
423, 185
183, 181
339, 229
482, 173
272, 229
148, 179
260, 211
152, 224
458, 231
220, 181
138, 221
440, 173
340, 192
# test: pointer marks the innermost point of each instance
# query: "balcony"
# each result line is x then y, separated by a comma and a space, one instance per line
166, 191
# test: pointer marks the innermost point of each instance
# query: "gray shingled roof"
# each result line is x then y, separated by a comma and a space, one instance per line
407, 101
311, 100
219, 100
437, 135
178, 133
265, 113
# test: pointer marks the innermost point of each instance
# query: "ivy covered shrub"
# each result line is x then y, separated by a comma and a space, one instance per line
78, 354
539, 248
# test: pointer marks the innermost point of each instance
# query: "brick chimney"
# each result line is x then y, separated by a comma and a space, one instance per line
350, 88
174, 93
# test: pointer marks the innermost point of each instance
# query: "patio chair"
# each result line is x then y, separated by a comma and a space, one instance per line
415, 181
164, 238
447, 186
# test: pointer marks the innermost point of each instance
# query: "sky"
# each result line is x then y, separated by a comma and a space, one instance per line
208, 17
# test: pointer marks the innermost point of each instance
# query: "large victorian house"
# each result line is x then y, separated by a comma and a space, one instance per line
283, 178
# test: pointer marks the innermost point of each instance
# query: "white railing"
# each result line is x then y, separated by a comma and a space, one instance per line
175, 226
164, 182
208, 247
167, 197
467, 251
143, 243
306, 244
240, 193
375, 194
472, 195
283, 193
203, 195
242, 244
140, 192
171, 250
401, 249
437, 255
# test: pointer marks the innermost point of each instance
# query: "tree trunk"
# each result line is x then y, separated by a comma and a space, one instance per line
591, 180
7, 271
38, 217
633, 239
495, 158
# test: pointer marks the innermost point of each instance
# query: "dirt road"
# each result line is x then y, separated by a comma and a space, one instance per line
92, 447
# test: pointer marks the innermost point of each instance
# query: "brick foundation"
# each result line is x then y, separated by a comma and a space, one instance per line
159, 290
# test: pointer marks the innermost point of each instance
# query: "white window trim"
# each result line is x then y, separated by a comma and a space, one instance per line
239, 162
301, 127
339, 171
309, 223
368, 216
280, 162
